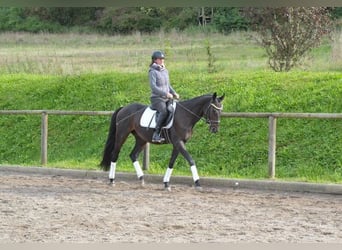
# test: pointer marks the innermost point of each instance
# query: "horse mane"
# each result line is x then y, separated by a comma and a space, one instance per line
195, 99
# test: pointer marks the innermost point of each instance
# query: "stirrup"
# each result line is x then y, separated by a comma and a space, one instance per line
157, 138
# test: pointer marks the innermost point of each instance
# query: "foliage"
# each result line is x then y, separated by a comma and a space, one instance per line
289, 33
178, 18
127, 20
121, 20
66, 16
227, 20
336, 12
14, 19
144, 19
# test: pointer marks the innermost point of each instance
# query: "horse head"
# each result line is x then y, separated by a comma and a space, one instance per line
213, 113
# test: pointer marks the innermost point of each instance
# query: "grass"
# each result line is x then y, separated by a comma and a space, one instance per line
70, 54
92, 72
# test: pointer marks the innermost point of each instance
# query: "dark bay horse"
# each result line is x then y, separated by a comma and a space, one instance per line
126, 120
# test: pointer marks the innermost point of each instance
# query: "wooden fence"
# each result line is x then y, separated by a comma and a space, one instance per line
272, 128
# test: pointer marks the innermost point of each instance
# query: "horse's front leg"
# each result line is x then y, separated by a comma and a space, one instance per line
169, 170
182, 149
139, 145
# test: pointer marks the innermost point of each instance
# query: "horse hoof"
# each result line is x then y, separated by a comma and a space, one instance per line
167, 187
111, 182
142, 181
198, 186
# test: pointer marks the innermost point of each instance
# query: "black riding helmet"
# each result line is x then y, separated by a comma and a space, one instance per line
158, 55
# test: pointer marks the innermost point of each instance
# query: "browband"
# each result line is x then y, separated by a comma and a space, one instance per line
218, 108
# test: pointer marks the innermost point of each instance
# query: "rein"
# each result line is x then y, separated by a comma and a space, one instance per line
206, 113
194, 114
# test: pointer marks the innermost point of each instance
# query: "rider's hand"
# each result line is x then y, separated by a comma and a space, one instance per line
176, 96
169, 96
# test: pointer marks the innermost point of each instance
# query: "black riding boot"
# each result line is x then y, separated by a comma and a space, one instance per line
156, 135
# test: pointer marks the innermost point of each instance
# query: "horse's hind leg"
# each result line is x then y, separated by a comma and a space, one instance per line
112, 172
139, 145
114, 159
115, 156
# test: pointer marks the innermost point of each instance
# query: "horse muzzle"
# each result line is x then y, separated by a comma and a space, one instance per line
213, 129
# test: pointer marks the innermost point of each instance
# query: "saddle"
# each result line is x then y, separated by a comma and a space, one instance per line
148, 118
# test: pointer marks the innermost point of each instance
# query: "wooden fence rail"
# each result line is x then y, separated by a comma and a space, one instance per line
272, 125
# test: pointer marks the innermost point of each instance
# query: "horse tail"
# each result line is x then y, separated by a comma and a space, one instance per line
108, 150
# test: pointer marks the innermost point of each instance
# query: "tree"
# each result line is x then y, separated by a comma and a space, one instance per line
229, 19
289, 33
336, 12
66, 16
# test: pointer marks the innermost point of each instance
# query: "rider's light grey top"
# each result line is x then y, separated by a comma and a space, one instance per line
159, 81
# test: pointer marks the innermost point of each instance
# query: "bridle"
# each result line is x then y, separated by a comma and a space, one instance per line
207, 114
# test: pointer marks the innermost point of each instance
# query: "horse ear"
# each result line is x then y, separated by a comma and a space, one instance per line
214, 96
221, 98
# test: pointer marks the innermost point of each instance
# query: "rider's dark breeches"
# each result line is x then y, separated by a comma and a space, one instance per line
162, 108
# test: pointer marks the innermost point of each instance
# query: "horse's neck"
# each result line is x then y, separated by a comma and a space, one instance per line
196, 106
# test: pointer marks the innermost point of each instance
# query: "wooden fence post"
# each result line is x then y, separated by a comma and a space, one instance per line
44, 138
272, 128
146, 157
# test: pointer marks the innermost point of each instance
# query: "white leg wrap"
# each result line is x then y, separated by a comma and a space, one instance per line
167, 175
112, 170
194, 173
138, 169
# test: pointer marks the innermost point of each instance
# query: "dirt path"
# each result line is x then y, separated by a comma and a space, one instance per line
61, 209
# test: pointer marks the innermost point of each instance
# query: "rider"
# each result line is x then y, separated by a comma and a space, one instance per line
161, 91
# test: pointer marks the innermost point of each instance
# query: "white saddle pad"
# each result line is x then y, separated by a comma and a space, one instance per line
148, 118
